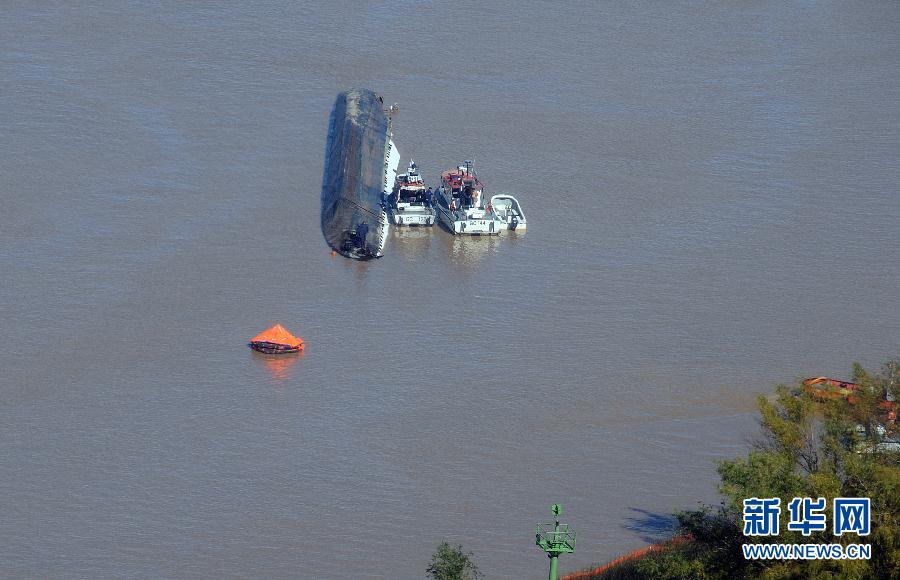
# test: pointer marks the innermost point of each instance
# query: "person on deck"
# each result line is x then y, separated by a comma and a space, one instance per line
428, 195
362, 230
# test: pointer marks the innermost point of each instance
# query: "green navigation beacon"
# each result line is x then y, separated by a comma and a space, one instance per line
555, 539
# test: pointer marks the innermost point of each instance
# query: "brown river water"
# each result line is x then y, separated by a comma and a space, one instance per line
713, 206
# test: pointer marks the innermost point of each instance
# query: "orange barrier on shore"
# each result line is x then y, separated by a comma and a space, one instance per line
636, 555
825, 389
828, 388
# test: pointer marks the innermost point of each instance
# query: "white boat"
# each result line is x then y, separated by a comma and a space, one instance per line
460, 205
410, 206
508, 209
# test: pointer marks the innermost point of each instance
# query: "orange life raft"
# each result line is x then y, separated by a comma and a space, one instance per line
276, 340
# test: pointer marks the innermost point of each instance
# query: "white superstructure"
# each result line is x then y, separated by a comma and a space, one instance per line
410, 203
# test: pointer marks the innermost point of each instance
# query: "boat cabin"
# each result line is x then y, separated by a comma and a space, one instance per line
410, 186
462, 186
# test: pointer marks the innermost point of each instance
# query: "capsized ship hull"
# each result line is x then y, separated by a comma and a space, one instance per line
360, 167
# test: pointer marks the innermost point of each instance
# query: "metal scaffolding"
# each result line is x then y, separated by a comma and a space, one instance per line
555, 539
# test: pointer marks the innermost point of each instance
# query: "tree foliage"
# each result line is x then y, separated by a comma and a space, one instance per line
813, 448
809, 447
452, 563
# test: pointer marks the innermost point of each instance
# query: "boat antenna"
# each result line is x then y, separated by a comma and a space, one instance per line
392, 112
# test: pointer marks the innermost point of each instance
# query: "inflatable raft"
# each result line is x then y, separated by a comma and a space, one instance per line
276, 340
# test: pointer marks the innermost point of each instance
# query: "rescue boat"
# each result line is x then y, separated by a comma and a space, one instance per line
410, 206
459, 204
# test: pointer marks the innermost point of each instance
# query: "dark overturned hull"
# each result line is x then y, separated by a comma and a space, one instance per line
360, 162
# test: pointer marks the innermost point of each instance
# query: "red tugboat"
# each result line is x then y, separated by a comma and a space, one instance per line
460, 204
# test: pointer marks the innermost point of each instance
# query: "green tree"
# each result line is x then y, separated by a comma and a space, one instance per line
451, 563
809, 447
823, 448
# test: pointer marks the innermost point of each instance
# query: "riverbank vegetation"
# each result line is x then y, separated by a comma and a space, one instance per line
452, 563
814, 443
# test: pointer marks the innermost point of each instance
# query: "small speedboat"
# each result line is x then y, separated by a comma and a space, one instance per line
508, 209
410, 204
460, 205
